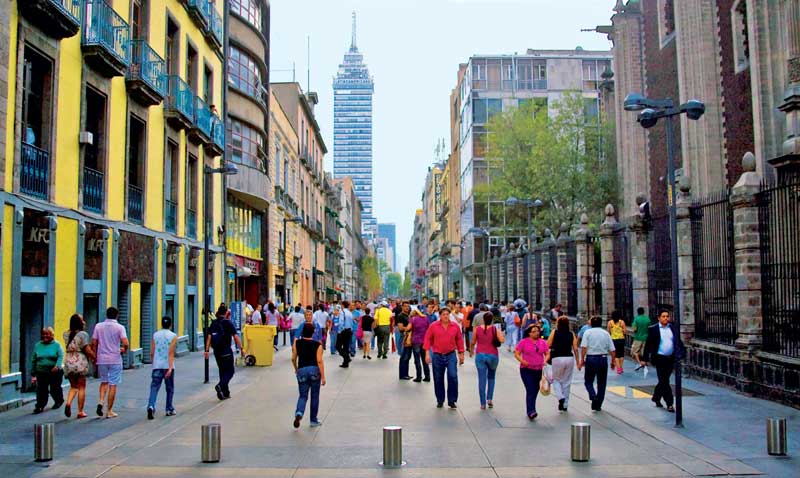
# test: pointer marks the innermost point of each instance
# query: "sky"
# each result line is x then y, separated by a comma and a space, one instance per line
413, 49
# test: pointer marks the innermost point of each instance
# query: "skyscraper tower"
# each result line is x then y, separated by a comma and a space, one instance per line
352, 129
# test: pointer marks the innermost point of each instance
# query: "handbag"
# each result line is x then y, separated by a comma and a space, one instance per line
495, 339
406, 339
75, 361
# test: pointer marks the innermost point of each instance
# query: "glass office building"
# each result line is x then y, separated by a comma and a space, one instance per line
352, 130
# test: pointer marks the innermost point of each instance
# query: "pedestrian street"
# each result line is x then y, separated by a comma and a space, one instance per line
629, 438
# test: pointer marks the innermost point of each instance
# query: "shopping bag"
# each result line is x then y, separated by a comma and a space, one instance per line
548, 374
394, 347
544, 386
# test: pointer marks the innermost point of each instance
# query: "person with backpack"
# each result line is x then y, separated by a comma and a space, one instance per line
512, 321
220, 334
162, 356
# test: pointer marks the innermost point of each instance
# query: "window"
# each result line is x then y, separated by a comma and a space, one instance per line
36, 101
208, 85
171, 48
243, 73
741, 40
484, 109
136, 152
191, 183
191, 67
277, 162
139, 19
171, 172
96, 124
245, 143
250, 10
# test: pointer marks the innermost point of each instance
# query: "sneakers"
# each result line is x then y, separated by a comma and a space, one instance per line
218, 389
297, 419
315, 424
170, 413
150, 413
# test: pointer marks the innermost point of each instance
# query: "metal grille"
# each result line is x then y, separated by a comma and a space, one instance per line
572, 279
502, 277
779, 226
146, 321
714, 269
553, 275
623, 289
525, 275
537, 276
659, 267
123, 303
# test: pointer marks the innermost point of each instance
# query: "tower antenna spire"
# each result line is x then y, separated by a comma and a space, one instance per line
353, 46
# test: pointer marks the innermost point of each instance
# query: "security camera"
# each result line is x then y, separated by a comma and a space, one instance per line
694, 109
647, 118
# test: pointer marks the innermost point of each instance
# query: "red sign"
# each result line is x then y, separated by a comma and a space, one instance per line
252, 264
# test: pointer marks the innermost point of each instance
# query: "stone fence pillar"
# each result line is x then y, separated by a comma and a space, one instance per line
747, 256
685, 258
547, 244
638, 251
503, 276
608, 230
563, 243
585, 261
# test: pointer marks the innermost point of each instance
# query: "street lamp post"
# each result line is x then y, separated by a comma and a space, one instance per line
296, 219
480, 232
650, 112
228, 169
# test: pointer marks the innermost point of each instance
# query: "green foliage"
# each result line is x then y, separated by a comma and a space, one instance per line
394, 282
566, 159
405, 290
370, 269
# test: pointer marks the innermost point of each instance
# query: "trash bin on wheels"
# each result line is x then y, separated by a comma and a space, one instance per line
258, 344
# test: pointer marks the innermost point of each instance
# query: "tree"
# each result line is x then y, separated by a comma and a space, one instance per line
565, 158
372, 276
405, 291
394, 281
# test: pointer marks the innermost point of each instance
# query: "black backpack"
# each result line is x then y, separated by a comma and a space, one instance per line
217, 333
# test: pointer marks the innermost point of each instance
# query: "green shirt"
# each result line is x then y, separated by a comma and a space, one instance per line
46, 356
640, 325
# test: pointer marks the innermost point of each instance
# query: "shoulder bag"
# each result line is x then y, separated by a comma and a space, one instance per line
495, 339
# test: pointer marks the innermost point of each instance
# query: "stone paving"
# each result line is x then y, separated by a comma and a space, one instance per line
630, 438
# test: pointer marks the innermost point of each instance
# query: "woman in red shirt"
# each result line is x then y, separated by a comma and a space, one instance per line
532, 353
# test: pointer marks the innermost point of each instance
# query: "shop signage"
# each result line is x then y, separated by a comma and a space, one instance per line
93, 248
35, 244
252, 264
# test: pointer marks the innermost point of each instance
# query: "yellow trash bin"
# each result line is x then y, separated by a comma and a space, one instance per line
258, 344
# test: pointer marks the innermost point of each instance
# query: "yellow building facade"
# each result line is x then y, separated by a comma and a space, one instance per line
111, 117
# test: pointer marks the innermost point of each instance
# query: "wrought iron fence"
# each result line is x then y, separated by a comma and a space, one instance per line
553, 279
525, 276
93, 189
779, 226
714, 269
179, 97
148, 66
537, 275
659, 266
34, 178
104, 27
135, 204
623, 289
572, 278
170, 215
191, 223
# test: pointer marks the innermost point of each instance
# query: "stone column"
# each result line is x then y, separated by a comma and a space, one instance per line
638, 251
495, 279
564, 241
511, 264
532, 279
791, 102
608, 230
502, 275
747, 256
685, 259
585, 260
547, 243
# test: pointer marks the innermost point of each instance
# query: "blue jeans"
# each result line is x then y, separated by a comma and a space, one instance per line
308, 379
531, 379
158, 375
596, 366
353, 341
487, 366
441, 364
405, 359
398, 341
333, 333
419, 356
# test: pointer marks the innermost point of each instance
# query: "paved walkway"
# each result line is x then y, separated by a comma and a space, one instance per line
723, 434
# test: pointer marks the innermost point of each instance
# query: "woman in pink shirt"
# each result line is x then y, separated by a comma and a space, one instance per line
486, 357
532, 353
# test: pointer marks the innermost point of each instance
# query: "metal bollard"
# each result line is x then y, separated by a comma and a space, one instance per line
776, 436
211, 443
581, 441
392, 447
43, 436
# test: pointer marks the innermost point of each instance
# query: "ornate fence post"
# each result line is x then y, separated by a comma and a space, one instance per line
511, 278
608, 230
547, 244
685, 258
585, 261
564, 242
503, 275
638, 251
747, 255
495, 279
524, 273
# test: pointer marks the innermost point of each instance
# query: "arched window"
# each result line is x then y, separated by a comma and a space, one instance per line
243, 72
250, 10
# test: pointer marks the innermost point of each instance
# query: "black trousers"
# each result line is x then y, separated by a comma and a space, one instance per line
49, 383
343, 344
226, 371
665, 364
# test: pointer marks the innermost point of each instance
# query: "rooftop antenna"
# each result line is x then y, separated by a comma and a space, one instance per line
308, 63
353, 47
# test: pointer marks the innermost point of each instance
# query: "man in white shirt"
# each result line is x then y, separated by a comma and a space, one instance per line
663, 346
162, 356
596, 346
297, 317
321, 318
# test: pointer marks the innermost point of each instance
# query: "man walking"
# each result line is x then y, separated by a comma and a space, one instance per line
321, 319
640, 325
401, 322
663, 346
110, 341
596, 345
383, 319
220, 334
345, 334
442, 341
162, 356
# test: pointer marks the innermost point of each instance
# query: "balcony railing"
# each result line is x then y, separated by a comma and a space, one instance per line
93, 189
202, 118
170, 215
179, 104
533, 84
34, 178
199, 11
215, 26
146, 73
218, 133
135, 204
105, 37
191, 223
57, 18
